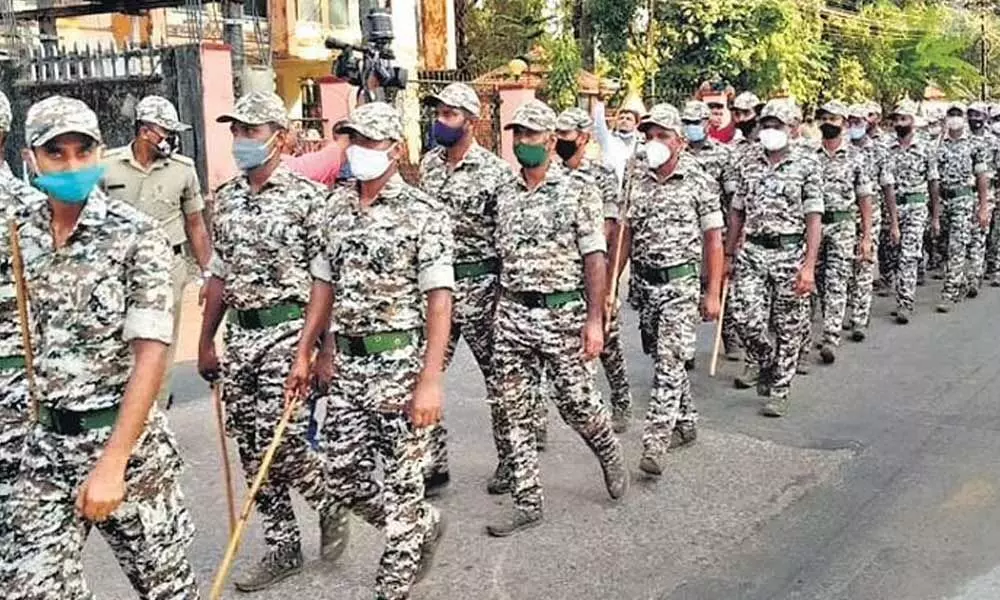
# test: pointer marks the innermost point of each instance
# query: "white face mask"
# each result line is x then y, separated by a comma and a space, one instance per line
367, 164
955, 123
657, 154
772, 139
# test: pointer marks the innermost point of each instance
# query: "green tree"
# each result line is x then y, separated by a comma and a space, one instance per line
499, 30
562, 83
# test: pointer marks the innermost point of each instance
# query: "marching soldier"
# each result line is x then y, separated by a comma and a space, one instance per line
962, 163
674, 204
714, 159
573, 129
466, 178
15, 415
152, 176
911, 158
992, 270
552, 254
874, 153
101, 453
846, 185
267, 230
387, 252
778, 207
989, 147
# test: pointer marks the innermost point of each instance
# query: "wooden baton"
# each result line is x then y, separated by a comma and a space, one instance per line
21, 287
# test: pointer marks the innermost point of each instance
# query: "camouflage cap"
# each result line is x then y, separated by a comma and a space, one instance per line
874, 108
906, 108
534, 115
376, 121
159, 111
779, 109
58, 115
955, 105
858, 111
663, 115
695, 110
456, 95
994, 110
6, 115
746, 101
258, 108
980, 107
835, 108
574, 119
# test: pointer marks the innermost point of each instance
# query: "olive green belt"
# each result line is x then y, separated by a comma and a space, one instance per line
955, 192
12, 363
376, 343
477, 269
912, 198
666, 274
545, 300
836, 216
259, 318
69, 422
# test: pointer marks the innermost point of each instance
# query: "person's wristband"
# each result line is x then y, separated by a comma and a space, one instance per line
205, 276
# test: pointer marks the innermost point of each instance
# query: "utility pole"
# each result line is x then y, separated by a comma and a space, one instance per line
982, 52
232, 34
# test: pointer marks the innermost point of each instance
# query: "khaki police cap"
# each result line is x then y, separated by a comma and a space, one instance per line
159, 111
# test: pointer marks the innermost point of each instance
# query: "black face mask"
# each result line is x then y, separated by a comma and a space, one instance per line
566, 149
903, 130
976, 125
747, 127
830, 131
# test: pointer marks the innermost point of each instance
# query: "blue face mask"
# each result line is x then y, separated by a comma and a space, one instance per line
856, 133
69, 187
694, 133
445, 135
250, 154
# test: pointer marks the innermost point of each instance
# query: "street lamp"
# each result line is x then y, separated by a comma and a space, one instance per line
517, 67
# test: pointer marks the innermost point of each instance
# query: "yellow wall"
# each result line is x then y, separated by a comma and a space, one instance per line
289, 73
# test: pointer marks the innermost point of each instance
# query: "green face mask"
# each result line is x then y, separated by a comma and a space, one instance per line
530, 155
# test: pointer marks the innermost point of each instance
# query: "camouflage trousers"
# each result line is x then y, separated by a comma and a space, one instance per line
257, 363
14, 428
669, 313
764, 286
730, 325
888, 255
960, 212
149, 533
365, 428
833, 276
473, 305
993, 244
528, 341
913, 219
859, 292
976, 255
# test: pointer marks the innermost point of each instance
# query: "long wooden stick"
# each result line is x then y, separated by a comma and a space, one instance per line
616, 262
237, 535
224, 447
718, 330
21, 287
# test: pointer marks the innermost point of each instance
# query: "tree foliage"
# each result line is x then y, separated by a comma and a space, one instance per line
499, 30
562, 84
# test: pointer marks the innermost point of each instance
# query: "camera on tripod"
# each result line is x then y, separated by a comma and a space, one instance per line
374, 57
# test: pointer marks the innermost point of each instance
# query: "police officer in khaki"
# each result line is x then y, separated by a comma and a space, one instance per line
150, 175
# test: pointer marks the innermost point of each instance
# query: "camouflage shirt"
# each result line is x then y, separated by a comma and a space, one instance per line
912, 166
108, 286
264, 241
381, 260
845, 178
959, 161
543, 234
876, 163
742, 152
469, 193
989, 147
714, 159
604, 177
15, 197
776, 198
668, 217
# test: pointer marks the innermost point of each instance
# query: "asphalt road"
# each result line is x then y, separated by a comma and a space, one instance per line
883, 482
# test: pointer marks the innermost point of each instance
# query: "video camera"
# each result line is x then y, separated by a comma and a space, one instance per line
374, 58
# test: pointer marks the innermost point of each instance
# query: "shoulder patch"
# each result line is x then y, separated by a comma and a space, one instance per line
184, 160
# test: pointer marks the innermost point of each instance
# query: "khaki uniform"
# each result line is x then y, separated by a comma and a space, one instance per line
167, 192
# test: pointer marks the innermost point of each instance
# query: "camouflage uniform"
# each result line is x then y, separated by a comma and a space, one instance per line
775, 200
603, 177
913, 167
715, 159
263, 243
992, 266
989, 147
959, 162
845, 182
875, 159
469, 192
381, 260
109, 286
667, 219
543, 236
